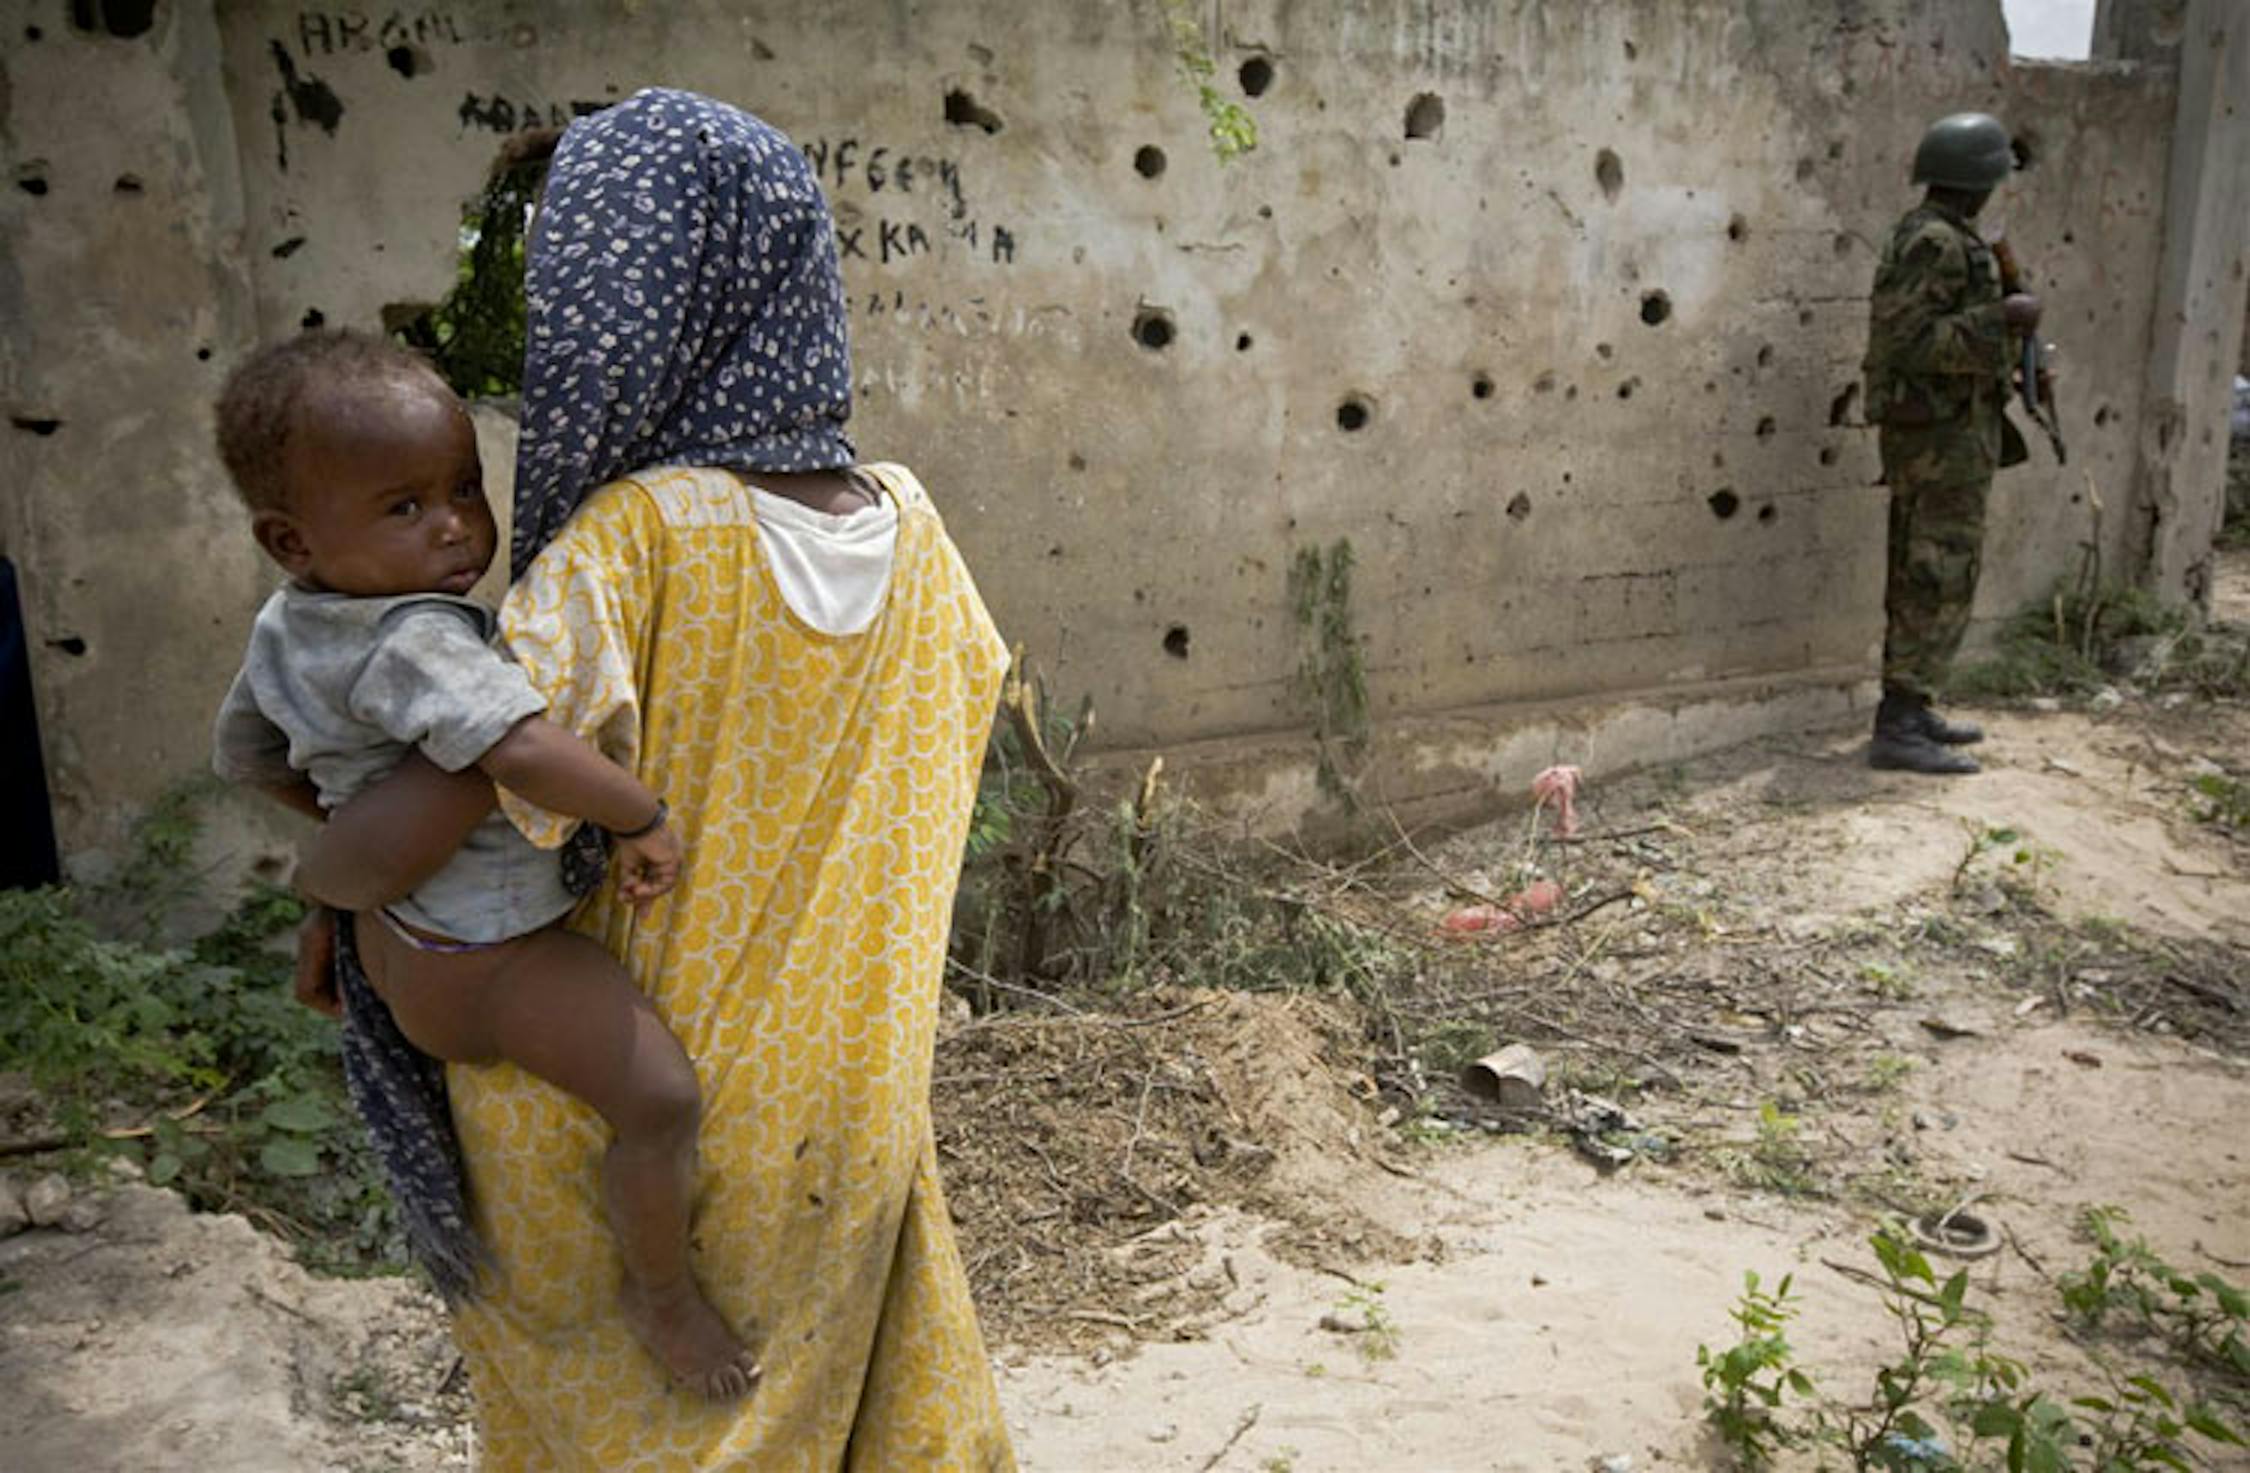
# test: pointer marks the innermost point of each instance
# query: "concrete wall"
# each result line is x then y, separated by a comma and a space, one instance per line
1600, 325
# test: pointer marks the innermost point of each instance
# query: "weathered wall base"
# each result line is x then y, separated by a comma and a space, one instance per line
1464, 766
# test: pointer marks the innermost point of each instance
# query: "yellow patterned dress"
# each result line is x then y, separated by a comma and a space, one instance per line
823, 787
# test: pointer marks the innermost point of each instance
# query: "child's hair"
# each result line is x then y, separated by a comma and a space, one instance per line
258, 407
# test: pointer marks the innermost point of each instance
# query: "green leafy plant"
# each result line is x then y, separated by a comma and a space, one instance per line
1233, 131
476, 335
1745, 1384
193, 1061
1947, 1401
1777, 1159
1363, 1312
2202, 1314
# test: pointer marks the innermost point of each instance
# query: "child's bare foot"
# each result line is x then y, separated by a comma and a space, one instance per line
680, 1328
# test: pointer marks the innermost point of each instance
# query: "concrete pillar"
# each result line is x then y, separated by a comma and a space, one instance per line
122, 304
2138, 30
2179, 493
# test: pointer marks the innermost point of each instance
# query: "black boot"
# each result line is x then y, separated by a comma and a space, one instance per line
1902, 745
1949, 733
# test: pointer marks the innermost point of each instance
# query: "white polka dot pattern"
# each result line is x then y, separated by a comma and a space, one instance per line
823, 788
682, 307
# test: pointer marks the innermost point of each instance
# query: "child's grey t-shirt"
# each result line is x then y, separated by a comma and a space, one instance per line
339, 689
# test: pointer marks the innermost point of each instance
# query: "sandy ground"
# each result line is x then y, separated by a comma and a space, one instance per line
1559, 1320
1553, 1317
1529, 1312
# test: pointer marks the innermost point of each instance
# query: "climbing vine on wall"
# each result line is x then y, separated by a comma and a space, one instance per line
1233, 131
1330, 676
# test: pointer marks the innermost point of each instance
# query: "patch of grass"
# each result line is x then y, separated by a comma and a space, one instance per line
1374, 1333
1778, 1160
2221, 800
2061, 645
1886, 1072
367, 1394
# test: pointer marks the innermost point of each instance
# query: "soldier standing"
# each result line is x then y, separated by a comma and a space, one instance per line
1939, 359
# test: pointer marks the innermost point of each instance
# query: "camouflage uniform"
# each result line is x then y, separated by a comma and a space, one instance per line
1939, 356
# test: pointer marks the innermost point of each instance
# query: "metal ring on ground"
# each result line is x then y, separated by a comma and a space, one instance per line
1956, 1235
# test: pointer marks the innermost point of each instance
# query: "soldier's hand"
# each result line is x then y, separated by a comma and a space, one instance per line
2021, 310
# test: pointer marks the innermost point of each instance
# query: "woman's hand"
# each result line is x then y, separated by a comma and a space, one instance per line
315, 983
393, 835
647, 865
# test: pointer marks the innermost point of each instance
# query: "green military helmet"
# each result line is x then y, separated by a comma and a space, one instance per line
1965, 151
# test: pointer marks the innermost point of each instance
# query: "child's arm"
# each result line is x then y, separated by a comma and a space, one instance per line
393, 835
546, 765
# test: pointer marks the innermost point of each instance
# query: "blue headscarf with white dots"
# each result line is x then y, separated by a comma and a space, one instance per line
683, 306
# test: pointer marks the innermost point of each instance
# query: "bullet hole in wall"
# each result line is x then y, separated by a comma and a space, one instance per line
1255, 75
1625, 389
1609, 173
288, 248
408, 61
33, 33
1840, 407
203, 355
35, 424
2102, 415
1149, 161
1425, 116
1632, 52
128, 184
1077, 462
1827, 455
1176, 641
1766, 427
1724, 503
2025, 147
1738, 229
1656, 307
31, 178
1152, 329
1766, 512
1765, 354
313, 318
1243, 342
69, 644
1604, 352
1353, 414
1804, 316
1544, 384
1519, 506
121, 18
1480, 387
964, 111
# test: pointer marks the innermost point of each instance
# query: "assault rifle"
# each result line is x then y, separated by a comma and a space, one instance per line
2032, 367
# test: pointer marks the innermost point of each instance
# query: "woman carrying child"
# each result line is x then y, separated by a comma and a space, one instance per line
784, 643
